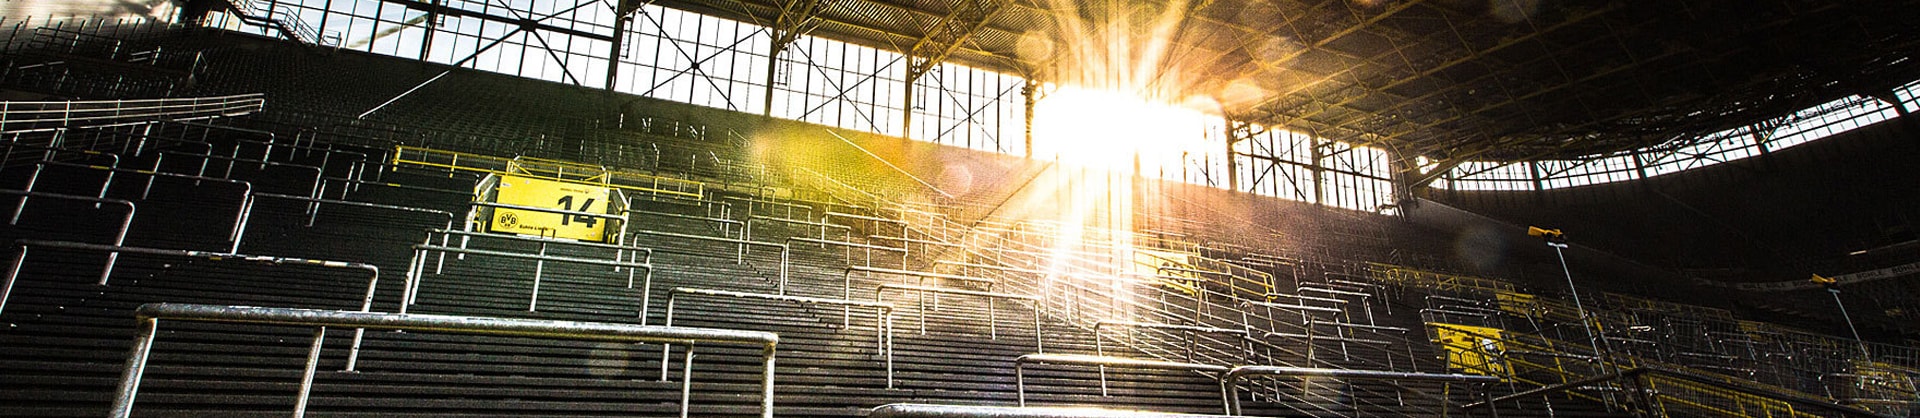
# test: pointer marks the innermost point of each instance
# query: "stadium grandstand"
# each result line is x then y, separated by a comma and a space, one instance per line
838, 208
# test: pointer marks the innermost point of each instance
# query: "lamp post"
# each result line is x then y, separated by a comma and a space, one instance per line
1833, 288
1558, 241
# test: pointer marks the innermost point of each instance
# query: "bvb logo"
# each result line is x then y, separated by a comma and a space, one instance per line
509, 220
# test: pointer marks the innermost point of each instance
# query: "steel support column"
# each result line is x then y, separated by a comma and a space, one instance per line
946, 35
1029, 95
620, 16
797, 17
1237, 130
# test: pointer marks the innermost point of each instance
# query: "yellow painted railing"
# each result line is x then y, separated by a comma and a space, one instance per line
1619, 301
1677, 397
1671, 396
1411, 277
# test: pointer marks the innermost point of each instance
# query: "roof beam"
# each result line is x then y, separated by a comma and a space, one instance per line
948, 33
527, 23
941, 40
1429, 72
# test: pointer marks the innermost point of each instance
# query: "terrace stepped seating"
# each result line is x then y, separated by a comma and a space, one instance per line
74, 333
98, 59
80, 330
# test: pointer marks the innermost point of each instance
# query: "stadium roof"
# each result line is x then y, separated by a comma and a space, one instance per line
1448, 79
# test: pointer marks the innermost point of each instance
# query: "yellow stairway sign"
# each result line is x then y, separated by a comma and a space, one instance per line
1471, 349
545, 193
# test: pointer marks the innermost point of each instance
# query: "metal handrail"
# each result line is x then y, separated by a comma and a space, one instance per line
1020, 366
724, 222
310, 219
850, 245
992, 327
1230, 391
847, 231
882, 318
1249, 303
416, 273
366, 303
49, 154
1099, 345
847, 277
327, 150
785, 251
239, 220
1636, 372
44, 116
1306, 298
149, 317
119, 238
900, 410
500, 165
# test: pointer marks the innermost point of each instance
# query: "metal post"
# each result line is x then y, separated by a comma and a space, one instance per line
666, 350
1593, 338
1849, 319
889, 348
306, 377
539, 266
136, 365
1020, 382
19, 259
686, 382
766, 383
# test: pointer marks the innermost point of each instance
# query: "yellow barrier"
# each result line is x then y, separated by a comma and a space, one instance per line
1169, 268
1473, 350
556, 170
1619, 301
1669, 392
1516, 303
1411, 277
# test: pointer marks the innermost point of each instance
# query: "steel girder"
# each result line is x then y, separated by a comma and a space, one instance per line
945, 36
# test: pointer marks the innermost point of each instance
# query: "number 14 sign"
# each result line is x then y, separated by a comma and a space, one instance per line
536, 192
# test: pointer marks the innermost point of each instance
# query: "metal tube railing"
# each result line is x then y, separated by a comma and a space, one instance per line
366, 303
40, 116
726, 225
899, 410
1038, 345
48, 156
310, 219
847, 289
273, 141
846, 231
119, 238
315, 190
849, 245
882, 318
785, 251
1636, 372
1103, 361
149, 317
1229, 390
416, 272
239, 219
1099, 346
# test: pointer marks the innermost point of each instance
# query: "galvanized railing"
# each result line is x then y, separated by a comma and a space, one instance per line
901, 410
44, 116
150, 315
1670, 392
